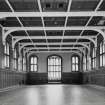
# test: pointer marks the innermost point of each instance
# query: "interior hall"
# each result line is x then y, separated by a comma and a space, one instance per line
52, 52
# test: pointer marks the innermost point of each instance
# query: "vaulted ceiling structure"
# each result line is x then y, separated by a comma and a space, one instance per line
52, 25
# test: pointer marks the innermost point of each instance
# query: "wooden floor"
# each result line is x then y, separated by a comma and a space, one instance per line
54, 95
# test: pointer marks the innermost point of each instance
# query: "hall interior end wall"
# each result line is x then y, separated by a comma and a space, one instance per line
41, 75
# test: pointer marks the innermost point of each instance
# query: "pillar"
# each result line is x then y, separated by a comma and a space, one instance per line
1, 49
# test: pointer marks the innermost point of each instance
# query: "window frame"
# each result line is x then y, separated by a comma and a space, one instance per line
7, 55
75, 63
85, 63
15, 59
54, 66
102, 54
93, 58
24, 63
34, 64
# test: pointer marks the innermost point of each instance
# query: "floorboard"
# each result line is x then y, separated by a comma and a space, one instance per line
57, 94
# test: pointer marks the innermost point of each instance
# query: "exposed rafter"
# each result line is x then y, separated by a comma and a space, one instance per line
30, 49
18, 38
79, 20
57, 43
40, 9
52, 52
52, 14
68, 10
13, 29
27, 49
84, 44
11, 8
97, 7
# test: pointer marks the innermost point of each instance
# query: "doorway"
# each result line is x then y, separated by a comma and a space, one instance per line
54, 68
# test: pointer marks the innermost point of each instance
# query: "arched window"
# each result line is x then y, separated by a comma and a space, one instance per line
54, 68
33, 63
75, 63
